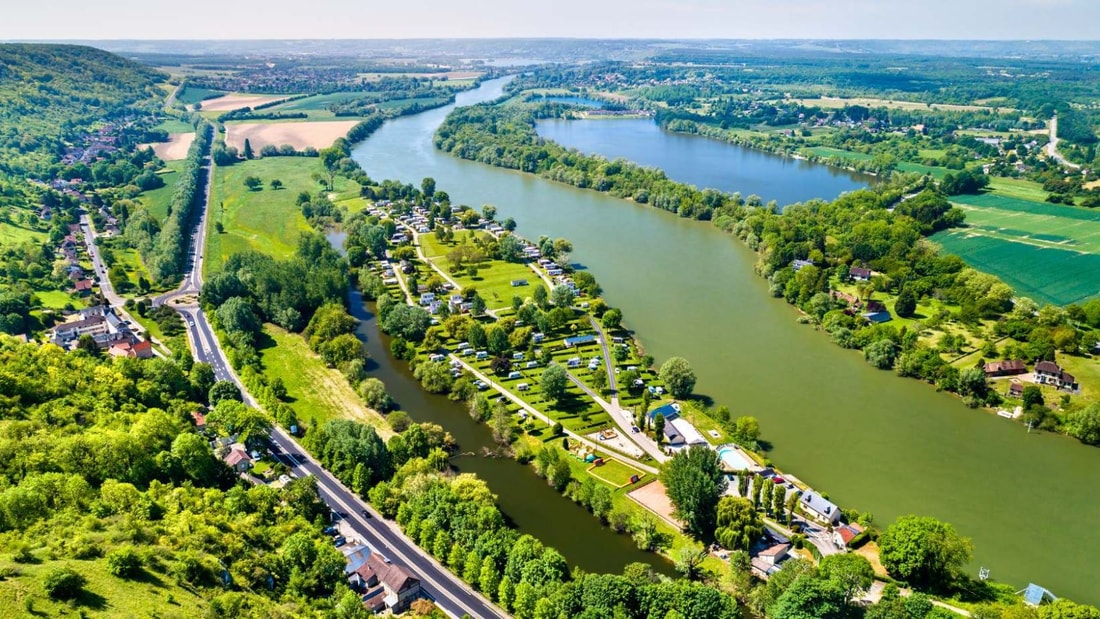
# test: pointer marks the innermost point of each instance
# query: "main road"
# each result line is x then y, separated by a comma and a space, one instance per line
449, 593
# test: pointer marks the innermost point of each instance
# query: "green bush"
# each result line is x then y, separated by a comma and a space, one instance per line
124, 562
63, 583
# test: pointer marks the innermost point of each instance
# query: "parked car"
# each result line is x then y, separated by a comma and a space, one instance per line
339, 540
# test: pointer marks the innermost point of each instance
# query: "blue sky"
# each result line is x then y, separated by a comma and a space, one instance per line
280, 19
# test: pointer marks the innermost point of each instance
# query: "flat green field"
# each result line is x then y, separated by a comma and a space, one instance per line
317, 103
174, 125
494, 278
829, 151
616, 472
55, 299
191, 94
317, 393
1048, 252
268, 221
157, 200
1017, 188
13, 234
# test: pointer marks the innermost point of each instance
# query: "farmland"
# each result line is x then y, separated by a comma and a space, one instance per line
1048, 252
297, 134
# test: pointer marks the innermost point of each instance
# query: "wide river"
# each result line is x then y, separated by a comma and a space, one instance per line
873, 441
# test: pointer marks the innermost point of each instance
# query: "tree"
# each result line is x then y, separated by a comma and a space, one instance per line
540, 296
497, 340
881, 354
659, 428
63, 583
851, 571
677, 375
427, 187
223, 390
599, 379
688, 558
906, 304
1033, 396
562, 296
254, 183
1084, 425
407, 322
695, 481
476, 336
373, 392
923, 551
435, 376
738, 523
612, 319
746, 430
276, 184
810, 598
553, 383
560, 474
248, 154
502, 424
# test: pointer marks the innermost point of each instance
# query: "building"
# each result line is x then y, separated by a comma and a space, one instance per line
670, 411
798, 265
689, 434
1050, 373
842, 536
133, 350
878, 317
579, 340
105, 327
819, 507
860, 274
382, 584
1005, 368
238, 458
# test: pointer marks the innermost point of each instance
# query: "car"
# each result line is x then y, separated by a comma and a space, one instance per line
634, 429
330, 530
339, 540
366, 514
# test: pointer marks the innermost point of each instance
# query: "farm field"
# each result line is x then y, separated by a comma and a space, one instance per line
317, 393
175, 148
191, 95
297, 134
829, 151
268, 221
228, 103
174, 125
156, 201
1048, 252
839, 102
1017, 188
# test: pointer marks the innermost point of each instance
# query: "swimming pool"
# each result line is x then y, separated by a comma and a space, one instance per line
735, 459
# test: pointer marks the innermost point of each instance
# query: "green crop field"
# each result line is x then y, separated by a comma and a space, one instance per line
828, 151
268, 221
317, 102
174, 125
192, 95
1048, 252
157, 200
1017, 188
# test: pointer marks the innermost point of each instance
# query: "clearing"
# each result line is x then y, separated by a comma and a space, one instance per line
297, 134
839, 102
494, 277
316, 393
1048, 252
228, 103
175, 148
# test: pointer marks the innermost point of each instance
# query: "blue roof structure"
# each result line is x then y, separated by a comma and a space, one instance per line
1034, 594
668, 410
883, 316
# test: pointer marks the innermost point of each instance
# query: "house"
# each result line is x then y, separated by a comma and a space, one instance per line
1050, 373
860, 274
83, 286
199, 419
819, 507
798, 265
1005, 368
774, 555
690, 435
379, 580
579, 340
131, 349
1016, 390
356, 556
238, 458
842, 536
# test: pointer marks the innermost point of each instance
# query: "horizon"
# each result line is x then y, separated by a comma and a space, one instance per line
953, 20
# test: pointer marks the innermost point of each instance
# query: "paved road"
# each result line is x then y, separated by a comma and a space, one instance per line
449, 593
1052, 146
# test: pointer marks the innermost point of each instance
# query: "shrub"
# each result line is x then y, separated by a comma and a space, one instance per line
124, 562
63, 583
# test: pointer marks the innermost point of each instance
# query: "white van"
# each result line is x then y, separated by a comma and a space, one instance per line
522, 387
514, 375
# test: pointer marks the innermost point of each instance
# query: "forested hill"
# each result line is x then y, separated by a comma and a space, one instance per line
52, 94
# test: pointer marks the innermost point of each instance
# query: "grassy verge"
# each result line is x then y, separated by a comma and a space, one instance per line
316, 393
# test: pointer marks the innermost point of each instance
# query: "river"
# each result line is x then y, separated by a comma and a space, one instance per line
704, 162
526, 500
873, 441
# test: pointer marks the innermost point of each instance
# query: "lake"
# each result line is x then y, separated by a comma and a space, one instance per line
873, 441
704, 162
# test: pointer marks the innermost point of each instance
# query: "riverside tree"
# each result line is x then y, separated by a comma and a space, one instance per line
923, 551
677, 375
695, 481
553, 383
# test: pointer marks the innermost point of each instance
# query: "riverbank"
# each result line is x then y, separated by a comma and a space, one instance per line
930, 456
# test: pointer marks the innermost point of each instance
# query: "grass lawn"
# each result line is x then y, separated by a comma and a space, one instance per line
268, 221
828, 151
105, 595
157, 201
14, 234
317, 393
56, 299
135, 268
1087, 371
174, 125
1048, 252
494, 277
615, 472
1017, 188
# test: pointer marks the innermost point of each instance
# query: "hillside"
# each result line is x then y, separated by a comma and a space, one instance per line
103, 475
52, 94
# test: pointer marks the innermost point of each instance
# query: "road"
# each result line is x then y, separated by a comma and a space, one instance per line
449, 593
1052, 146
622, 418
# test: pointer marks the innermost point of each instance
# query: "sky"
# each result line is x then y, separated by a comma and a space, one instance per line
372, 19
